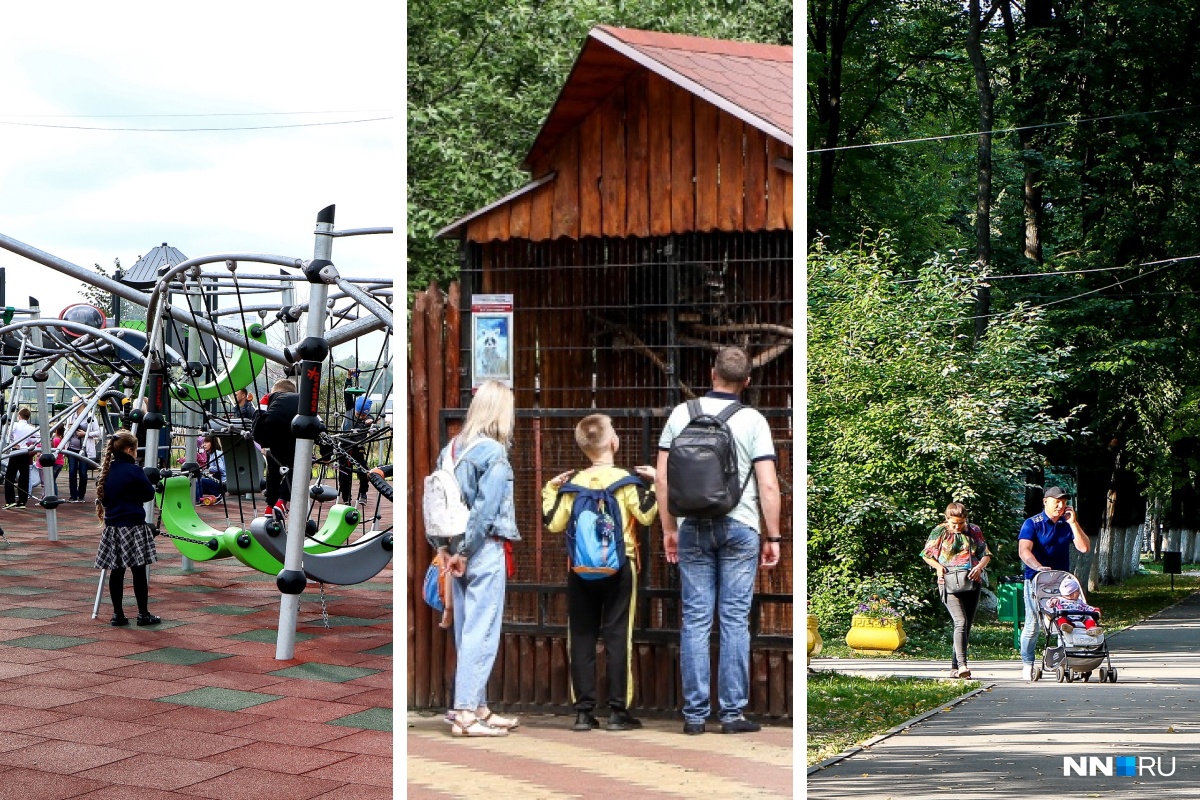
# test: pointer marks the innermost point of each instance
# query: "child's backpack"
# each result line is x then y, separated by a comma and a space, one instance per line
594, 535
445, 509
702, 466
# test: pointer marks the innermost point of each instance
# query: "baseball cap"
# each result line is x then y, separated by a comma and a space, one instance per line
1069, 585
362, 405
1055, 491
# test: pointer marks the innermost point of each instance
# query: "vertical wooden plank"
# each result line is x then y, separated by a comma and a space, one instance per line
777, 702
777, 194
758, 682
512, 669
637, 190
541, 680
683, 164
787, 676
528, 669
658, 133
731, 189
787, 200
541, 212
435, 375
591, 162
612, 184
664, 676
420, 444
492, 224
476, 231
452, 383
559, 675
755, 180
646, 682
518, 222
412, 593
706, 165
566, 187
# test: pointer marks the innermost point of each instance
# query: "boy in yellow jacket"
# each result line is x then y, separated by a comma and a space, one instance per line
602, 608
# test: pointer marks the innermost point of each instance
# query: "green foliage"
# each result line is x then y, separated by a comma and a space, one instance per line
482, 76
907, 414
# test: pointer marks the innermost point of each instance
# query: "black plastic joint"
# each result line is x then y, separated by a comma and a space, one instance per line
312, 270
291, 581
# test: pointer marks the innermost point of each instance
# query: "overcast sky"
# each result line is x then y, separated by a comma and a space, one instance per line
92, 196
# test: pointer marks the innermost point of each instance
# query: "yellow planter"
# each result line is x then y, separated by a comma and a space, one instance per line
875, 636
814, 638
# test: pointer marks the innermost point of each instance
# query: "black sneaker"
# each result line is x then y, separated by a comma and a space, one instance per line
148, 619
740, 725
622, 721
584, 721
119, 620
693, 728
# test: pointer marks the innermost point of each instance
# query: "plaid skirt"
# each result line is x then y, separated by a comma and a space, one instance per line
126, 546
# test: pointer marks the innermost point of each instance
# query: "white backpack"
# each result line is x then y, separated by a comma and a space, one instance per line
445, 509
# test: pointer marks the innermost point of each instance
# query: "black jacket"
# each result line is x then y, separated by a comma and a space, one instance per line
273, 428
126, 489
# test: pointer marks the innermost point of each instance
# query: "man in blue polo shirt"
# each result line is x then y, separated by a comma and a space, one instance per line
1043, 544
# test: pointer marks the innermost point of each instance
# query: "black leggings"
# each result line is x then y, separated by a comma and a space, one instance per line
141, 589
962, 611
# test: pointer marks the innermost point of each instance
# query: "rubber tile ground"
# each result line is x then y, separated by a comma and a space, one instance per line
197, 706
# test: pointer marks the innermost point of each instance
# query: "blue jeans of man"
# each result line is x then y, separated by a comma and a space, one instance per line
478, 611
717, 562
1029, 633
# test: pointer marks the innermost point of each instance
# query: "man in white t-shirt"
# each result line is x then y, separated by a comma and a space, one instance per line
24, 437
717, 557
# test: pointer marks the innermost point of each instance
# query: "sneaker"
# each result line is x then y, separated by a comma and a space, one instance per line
1066, 627
1027, 672
10, 505
622, 721
148, 619
693, 728
740, 725
119, 620
964, 673
584, 721
954, 672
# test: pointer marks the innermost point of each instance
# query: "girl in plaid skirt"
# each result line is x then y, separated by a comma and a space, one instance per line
127, 542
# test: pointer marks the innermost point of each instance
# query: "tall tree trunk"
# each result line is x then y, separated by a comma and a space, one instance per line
983, 192
829, 38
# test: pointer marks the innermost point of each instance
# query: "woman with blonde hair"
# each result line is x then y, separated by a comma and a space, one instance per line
958, 553
127, 541
478, 559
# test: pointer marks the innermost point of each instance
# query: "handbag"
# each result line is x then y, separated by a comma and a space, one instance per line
958, 582
431, 591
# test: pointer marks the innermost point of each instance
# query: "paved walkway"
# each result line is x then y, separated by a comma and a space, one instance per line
195, 707
545, 760
1011, 740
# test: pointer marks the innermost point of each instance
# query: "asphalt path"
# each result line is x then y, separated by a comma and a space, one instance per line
1012, 739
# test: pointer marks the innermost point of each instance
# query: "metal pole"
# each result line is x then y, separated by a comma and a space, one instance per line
291, 581
46, 460
191, 421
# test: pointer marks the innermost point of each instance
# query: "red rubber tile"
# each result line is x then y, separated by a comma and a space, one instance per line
16, 741
246, 681
125, 793
89, 730
42, 697
314, 689
86, 663
116, 649
189, 744
26, 784
155, 671
377, 698
64, 679
122, 708
13, 718
289, 731
10, 671
355, 791
208, 720
24, 655
371, 770
66, 758
255, 784
157, 772
278, 757
308, 710
374, 743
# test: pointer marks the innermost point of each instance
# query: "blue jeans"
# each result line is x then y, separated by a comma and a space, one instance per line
717, 562
478, 611
1029, 633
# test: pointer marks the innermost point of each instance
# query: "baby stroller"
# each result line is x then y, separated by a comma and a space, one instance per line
1076, 653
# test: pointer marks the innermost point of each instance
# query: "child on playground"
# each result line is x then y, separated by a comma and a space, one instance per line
601, 608
127, 541
1070, 610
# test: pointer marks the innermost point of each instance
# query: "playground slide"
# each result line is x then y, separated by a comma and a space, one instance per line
244, 366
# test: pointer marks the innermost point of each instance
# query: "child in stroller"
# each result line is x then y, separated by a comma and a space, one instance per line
1071, 611
1080, 648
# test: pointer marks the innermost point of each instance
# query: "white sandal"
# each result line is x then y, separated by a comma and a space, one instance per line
477, 727
497, 721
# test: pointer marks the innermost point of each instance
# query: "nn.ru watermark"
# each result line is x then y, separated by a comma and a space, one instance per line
1120, 766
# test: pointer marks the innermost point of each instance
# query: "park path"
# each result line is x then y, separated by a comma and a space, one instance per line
545, 760
1011, 740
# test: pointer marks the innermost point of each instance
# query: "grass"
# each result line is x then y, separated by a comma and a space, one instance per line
846, 709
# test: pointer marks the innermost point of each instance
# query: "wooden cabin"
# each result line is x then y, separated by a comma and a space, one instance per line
656, 228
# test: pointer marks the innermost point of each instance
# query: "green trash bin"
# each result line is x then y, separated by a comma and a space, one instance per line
1011, 608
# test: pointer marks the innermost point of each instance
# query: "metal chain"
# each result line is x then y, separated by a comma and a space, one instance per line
324, 609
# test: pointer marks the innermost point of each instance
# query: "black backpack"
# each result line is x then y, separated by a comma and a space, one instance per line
702, 466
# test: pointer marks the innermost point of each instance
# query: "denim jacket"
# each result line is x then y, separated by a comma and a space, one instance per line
486, 479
